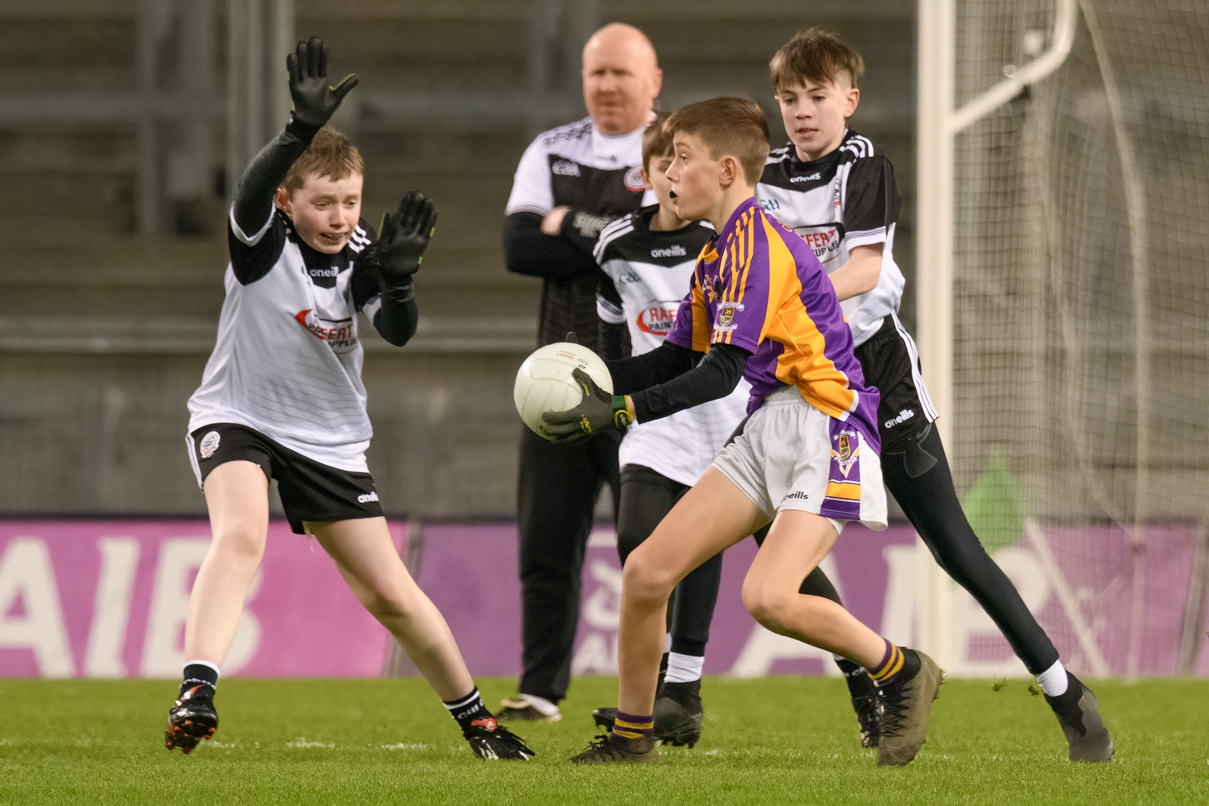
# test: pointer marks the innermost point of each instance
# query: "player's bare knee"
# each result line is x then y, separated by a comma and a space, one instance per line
643, 581
767, 606
239, 545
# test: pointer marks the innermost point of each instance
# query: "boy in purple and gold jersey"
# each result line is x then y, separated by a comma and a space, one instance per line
760, 306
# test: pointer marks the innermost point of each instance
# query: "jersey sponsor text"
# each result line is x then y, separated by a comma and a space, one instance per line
658, 318
341, 336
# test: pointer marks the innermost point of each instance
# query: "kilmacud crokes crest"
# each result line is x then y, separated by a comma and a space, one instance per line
725, 321
845, 450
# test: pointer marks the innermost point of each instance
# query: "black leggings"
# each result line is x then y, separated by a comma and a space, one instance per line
930, 503
646, 497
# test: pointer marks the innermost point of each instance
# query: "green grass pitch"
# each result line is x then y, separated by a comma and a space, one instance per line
769, 741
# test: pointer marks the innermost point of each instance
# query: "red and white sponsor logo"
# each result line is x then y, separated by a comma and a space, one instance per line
825, 241
341, 335
658, 318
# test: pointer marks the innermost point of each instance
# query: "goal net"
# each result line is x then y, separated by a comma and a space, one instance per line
1079, 418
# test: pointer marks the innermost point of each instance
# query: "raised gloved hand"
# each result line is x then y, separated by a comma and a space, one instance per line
314, 101
403, 236
598, 411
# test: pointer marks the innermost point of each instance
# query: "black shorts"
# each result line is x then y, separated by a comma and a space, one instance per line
310, 490
890, 362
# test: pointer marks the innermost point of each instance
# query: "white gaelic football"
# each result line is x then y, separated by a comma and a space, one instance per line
544, 382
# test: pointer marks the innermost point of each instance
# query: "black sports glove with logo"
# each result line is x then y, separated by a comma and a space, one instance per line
314, 100
402, 238
598, 411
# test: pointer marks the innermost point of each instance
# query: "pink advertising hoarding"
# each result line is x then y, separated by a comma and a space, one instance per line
109, 599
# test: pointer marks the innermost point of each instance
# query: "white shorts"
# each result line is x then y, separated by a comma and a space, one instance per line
793, 456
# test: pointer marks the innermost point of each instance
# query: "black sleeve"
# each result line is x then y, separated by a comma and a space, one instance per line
582, 229
397, 318
716, 376
871, 200
253, 205
527, 250
651, 368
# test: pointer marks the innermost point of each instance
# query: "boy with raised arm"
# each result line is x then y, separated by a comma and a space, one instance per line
282, 398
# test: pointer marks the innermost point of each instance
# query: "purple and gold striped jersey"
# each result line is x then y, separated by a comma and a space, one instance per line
758, 286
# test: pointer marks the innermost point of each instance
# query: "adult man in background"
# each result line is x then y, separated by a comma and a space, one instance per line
571, 181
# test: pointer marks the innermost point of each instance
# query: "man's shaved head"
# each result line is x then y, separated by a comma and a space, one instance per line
621, 78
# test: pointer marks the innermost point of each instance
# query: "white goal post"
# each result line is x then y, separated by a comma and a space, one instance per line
1063, 305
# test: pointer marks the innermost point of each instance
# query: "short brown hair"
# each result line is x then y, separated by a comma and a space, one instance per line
656, 140
816, 56
734, 126
330, 154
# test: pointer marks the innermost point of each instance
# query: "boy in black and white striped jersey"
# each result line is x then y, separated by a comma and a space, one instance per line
282, 398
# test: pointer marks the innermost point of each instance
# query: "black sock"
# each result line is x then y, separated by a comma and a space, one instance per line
860, 684
1066, 704
199, 674
683, 693
468, 710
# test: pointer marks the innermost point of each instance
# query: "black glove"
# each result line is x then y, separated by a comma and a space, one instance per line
403, 237
598, 411
314, 101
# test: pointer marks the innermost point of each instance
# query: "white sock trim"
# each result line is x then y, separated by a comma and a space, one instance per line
683, 668
546, 707
462, 703
1053, 680
203, 663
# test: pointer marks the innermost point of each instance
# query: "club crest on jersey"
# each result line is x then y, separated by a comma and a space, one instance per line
726, 316
633, 180
340, 335
209, 444
845, 450
657, 318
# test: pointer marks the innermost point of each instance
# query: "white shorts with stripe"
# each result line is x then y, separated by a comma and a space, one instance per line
793, 456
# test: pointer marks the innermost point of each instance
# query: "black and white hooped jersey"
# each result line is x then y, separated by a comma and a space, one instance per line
577, 166
287, 362
836, 203
650, 273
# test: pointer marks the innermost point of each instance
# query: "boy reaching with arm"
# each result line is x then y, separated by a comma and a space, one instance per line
282, 398
759, 306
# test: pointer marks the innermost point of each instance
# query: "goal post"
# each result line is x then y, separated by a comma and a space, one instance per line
1063, 302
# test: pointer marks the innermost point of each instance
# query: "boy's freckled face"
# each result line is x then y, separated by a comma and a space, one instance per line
816, 114
694, 178
325, 211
